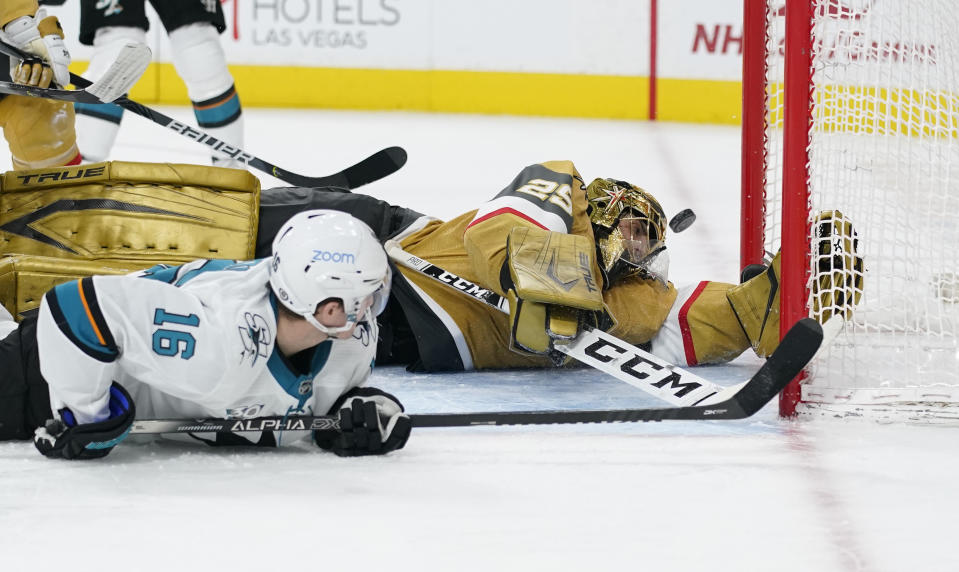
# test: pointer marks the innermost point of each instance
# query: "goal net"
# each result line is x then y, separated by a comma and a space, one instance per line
853, 105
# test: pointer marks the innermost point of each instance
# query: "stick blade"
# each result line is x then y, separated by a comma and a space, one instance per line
130, 63
375, 167
795, 351
378, 165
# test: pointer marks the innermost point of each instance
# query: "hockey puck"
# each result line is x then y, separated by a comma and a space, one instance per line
682, 220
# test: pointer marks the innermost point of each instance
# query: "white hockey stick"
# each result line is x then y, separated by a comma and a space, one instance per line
593, 347
123, 73
605, 352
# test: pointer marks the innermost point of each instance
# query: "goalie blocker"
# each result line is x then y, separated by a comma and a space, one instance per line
550, 280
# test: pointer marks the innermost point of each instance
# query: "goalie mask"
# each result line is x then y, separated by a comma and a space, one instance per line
629, 226
324, 254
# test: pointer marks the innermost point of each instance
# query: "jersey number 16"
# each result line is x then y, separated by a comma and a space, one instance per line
167, 342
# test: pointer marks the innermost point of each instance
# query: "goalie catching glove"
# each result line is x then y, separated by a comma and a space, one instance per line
837, 280
836, 287
550, 282
64, 438
372, 422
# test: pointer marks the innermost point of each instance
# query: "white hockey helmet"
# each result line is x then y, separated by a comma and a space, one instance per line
323, 254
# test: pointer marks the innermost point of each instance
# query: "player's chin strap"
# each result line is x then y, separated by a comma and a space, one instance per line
351, 321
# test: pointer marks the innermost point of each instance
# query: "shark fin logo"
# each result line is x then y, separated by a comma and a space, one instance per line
256, 338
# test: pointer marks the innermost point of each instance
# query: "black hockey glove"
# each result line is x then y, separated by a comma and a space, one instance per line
372, 422
65, 439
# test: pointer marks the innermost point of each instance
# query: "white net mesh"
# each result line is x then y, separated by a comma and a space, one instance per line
884, 152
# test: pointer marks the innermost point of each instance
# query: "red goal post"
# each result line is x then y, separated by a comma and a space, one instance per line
852, 105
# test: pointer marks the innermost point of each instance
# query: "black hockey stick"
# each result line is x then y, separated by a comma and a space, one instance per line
378, 165
794, 352
74, 95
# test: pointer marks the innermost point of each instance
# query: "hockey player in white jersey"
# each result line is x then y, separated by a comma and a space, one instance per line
292, 334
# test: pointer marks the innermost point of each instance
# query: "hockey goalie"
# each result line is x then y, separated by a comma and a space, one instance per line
564, 253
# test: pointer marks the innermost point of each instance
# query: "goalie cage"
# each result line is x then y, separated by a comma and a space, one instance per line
854, 105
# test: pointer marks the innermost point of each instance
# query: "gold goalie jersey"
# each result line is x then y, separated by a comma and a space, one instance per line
454, 332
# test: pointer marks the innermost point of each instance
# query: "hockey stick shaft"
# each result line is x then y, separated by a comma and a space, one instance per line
794, 352
592, 347
381, 164
72, 95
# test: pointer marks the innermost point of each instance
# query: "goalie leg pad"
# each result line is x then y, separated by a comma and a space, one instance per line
25, 279
158, 213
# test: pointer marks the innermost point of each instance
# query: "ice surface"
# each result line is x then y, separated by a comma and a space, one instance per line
759, 494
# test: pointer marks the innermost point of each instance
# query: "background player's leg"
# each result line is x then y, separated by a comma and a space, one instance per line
200, 61
98, 124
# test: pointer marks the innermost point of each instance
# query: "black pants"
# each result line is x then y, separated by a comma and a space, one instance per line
24, 397
397, 343
131, 13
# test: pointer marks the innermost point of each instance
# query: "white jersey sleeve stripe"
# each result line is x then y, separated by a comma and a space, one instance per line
76, 311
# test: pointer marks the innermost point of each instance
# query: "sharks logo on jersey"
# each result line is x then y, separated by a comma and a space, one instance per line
256, 337
364, 333
109, 7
